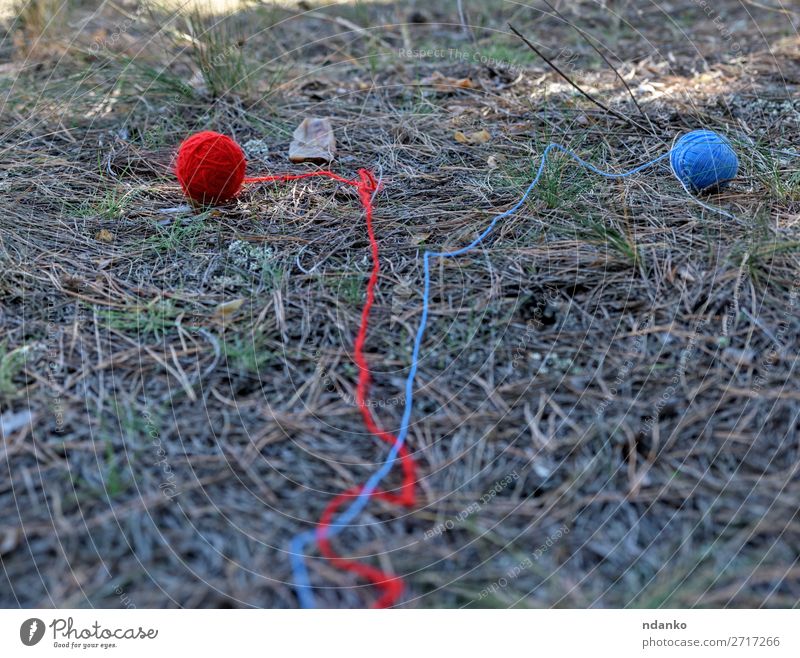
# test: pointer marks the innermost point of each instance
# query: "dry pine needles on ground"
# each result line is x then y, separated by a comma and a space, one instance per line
626, 355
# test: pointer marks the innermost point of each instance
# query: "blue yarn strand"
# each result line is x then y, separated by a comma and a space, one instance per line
299, 542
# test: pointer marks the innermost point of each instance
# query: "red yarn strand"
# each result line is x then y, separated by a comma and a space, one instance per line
291, 177
390, 586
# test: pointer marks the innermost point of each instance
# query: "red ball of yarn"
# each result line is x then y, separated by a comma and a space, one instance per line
210, 167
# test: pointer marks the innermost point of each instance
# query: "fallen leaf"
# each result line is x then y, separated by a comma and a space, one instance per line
686, 274
457, 110
9, 540
477, 137
10, 422
227, 309
313, 141
104, 235
739, 357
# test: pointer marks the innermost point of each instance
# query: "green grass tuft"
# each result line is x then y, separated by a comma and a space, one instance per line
11, 364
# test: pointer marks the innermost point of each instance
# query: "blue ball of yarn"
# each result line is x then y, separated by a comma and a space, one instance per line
703, 159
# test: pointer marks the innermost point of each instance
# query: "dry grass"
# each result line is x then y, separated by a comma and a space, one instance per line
629, 355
